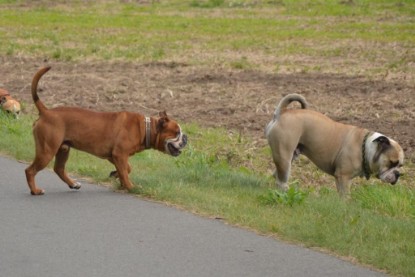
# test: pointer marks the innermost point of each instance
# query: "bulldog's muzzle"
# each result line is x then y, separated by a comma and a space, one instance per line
390, 176
175, 145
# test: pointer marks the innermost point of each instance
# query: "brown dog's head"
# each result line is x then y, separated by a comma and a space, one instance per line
8, 104
171, 138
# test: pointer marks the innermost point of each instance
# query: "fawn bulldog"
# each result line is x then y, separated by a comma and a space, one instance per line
343, 151
9, 104
109, 135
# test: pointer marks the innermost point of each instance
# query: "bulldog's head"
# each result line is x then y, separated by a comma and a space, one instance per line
10, 105
171, 138
385, 158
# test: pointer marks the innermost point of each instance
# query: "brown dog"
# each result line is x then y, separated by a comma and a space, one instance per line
9, 104
109, 135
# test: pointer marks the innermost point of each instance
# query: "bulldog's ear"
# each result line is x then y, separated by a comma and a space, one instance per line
383, 142
3, 100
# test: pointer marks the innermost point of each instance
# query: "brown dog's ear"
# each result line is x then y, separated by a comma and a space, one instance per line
3, 100
163, 114
162, 121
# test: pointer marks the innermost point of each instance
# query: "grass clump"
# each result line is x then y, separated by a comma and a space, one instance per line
16, 137
391, 201
292, 196
207, 4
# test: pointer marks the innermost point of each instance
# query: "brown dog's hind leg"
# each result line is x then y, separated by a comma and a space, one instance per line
60, 160
39, 163
47, 145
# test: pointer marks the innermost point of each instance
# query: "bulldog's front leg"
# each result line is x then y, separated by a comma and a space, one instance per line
343, 185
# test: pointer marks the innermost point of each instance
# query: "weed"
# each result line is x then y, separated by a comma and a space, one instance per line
242, 63
290, 197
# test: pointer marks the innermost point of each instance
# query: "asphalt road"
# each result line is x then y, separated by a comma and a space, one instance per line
98, 232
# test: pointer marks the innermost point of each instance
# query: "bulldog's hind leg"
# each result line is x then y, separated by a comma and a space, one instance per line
283, 152
61, 158
282, 161
282, 173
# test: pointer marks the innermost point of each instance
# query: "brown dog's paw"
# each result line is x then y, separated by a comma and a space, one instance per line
38, 192
75, 185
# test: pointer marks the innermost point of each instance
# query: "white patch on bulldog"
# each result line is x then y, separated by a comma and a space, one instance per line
371, 147
16, 110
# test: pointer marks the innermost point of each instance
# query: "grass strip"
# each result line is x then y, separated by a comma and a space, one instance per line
375, 227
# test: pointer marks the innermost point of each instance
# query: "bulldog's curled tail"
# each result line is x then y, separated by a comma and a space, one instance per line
39, 105
286, 101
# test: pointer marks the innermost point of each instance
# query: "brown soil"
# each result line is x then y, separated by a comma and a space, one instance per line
239, 100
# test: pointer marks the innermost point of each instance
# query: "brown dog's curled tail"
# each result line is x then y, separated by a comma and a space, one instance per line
286, 101
39, 105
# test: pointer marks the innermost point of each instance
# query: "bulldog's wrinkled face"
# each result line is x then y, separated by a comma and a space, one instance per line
171, 138
9, 105
386, 159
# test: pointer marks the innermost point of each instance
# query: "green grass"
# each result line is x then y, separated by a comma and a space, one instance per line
375, 227
238, 34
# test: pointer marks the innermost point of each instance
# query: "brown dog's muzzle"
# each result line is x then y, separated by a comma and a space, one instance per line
174, 146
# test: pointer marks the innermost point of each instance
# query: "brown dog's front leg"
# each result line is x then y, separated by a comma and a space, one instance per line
123, 169
114, 174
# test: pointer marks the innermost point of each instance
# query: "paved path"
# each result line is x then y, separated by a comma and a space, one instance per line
98, 232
